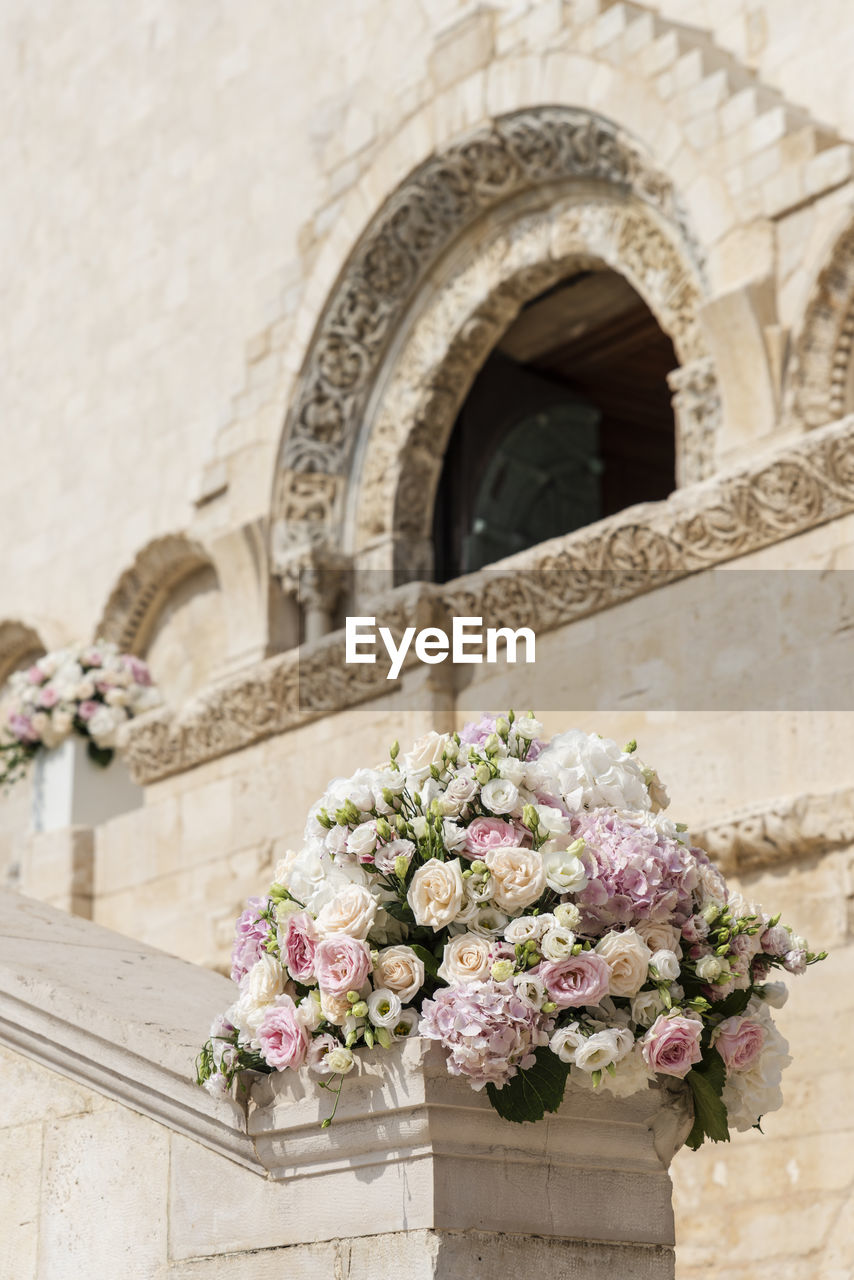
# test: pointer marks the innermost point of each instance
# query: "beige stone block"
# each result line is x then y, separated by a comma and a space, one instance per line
782, 191
103, 1208
463, 48
829, 168
20, 1178
660, 54
32, 1094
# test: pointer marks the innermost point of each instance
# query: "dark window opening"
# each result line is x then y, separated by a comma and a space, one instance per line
569, 420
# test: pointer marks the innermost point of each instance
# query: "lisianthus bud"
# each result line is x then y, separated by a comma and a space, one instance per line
502, 970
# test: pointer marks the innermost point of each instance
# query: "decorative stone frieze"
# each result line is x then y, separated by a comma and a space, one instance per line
796, 827
781, 494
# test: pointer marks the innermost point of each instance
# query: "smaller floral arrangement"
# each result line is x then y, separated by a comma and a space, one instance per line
528, 905
91, 690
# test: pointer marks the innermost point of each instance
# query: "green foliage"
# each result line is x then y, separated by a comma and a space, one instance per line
530, 1094
710, 1117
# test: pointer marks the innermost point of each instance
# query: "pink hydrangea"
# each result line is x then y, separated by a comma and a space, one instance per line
488, 1031
250, 938
283, 1038
22, 727
635, 873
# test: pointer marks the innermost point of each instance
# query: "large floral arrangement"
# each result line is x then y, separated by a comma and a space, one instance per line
527, 905
88, 689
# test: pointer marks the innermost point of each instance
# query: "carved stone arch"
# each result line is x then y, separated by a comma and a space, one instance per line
19, 642
518, 167
142, 590
819, 384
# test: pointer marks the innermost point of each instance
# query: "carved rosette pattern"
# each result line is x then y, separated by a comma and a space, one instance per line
794, 490
821, 362
508, 158
135, 600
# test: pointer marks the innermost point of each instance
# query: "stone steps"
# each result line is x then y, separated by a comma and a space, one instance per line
773, 152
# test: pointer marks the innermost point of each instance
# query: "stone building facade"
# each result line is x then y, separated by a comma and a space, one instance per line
254, 264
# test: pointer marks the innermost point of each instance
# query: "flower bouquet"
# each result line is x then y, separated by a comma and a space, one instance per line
527, 905
90, 690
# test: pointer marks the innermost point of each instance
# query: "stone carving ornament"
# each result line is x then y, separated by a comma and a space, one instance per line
818, 384
141, 590
784, 494
544, 148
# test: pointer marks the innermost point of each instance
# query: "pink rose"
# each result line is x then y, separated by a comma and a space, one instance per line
739, 1042
48, 697
22, 728
577, 980
489, 833
300, 946
138, 669
35, 675
341, 964
87, 709
283, 1038
671, 1047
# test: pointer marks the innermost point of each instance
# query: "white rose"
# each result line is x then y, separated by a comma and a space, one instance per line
567, 915
406, 1024
666, 965
602, 1048
631, 1075
400, 969
459, 792
565, 1041
527, 727
552, 821
557, 943
117, 697
453, 835
646, 1006
660, 937
351, 911
499, 795
518, 877
265, 980
339, 1061
467, 958
384, 1008
63, 723
775, 993
84, 690
511, 769
523, 929
487, 920
427, 751
102, 727
628, 957
531, 989
565, 872
362, 840
309, 1012
436, 893
710, 968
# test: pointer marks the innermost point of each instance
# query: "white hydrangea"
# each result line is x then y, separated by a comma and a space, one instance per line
595, 773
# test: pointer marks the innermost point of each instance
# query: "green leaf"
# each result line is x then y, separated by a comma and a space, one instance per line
431, 964
99, 755
530, 1094
735, 1003
710, 1117
399, 911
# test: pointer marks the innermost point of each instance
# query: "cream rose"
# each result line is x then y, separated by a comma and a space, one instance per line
335, 1008
427, 751
660, 936
467, 958
627, 956
351, 911
399, 969
518, 877
436, 893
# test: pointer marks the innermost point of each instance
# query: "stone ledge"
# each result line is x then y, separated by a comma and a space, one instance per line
778, 495
116, 1015
780, 831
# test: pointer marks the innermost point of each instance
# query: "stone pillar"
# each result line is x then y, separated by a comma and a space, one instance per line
423, 1178
698, 412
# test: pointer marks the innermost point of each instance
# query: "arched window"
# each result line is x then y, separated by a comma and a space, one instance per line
569, 420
